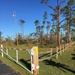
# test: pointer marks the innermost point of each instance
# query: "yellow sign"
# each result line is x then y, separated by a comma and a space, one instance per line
36, 50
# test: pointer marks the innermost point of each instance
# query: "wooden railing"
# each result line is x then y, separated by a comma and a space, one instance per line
54, 52
33, 57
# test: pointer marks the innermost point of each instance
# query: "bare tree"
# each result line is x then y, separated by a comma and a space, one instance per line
22, 27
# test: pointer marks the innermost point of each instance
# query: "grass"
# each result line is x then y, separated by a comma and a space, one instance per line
65, 65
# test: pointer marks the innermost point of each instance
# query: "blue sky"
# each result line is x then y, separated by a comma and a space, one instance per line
29, 10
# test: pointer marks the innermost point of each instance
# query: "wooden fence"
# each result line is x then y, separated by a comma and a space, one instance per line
54, 52
33, 56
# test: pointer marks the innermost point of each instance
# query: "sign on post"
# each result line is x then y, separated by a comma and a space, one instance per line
34, 60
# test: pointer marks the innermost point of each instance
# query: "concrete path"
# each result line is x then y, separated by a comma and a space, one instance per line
6, 70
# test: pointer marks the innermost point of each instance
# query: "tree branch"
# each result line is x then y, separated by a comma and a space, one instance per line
50, 7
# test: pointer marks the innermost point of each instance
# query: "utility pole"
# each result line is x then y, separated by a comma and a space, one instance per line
14, 16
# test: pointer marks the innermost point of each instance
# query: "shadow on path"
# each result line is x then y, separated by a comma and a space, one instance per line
58, 65
44, 55
25, 63
73, 56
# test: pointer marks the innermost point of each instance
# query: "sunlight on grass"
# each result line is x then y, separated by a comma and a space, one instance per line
65, 65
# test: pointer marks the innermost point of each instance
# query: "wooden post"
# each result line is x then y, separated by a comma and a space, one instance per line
51, 54
60, 51
7, 51
67, 45
17, 55
2, 50
34, 61
57, 53
63, 48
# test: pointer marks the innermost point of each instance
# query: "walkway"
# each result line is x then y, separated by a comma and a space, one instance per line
6, 70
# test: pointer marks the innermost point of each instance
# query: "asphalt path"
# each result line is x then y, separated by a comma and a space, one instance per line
6, 70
